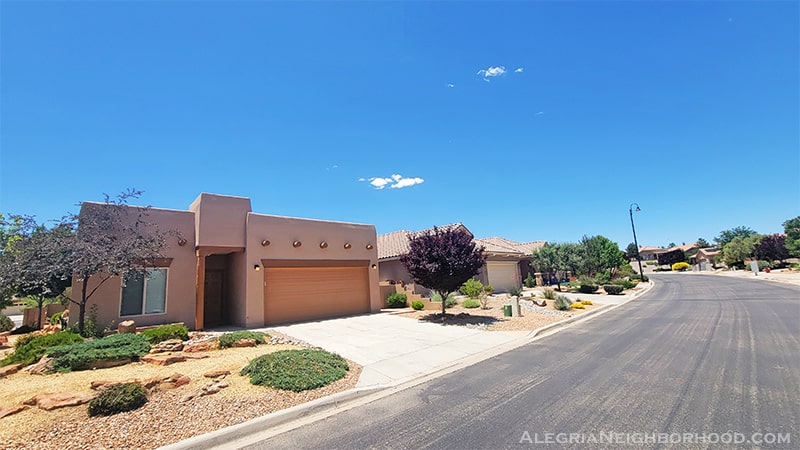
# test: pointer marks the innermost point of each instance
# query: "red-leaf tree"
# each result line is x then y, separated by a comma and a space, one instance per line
771, 247
442, 260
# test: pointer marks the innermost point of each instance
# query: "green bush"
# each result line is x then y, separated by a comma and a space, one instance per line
6, 324
549, 294
449, 303
588, 288
761, 265
680, 266
529, 281
55, 319
514, 291
472, 288
30, 349
118, 398
227, 340
111, 348
562, 303
397, 300
626, 284
296, 370
613, 289
418, 305
625, 271
650, 263
488, 289
165, 333
470, 303
602, 278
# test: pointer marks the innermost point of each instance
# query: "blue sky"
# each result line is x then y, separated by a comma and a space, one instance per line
528, 120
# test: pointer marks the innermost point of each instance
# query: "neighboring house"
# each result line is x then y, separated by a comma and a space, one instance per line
705, 257
231, 266
507, 262
650, 253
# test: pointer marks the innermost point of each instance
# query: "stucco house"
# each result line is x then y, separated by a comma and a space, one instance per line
507, 261
231, 266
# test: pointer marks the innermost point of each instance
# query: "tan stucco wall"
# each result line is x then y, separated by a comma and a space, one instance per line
180, 279
220, 220
281, 232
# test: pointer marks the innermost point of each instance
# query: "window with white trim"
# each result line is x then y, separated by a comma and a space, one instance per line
144, 293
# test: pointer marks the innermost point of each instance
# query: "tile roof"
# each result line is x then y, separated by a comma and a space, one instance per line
498, 244
394, 244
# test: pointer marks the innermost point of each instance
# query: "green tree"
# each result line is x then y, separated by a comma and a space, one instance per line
702, 243
600, 254
792, 229
738, 249
442, 260
558, 259
632, 251
726, 236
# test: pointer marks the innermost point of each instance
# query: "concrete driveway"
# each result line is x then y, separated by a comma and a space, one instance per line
394, 349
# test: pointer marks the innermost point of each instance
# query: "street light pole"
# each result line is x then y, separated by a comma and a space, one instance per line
636, 243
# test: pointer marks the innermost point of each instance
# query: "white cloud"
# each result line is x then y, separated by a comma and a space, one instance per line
396, 181
540, 113
491, 72
362, 179
451, 85
519, 70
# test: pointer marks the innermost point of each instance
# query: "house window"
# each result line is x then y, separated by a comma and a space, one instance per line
145, 293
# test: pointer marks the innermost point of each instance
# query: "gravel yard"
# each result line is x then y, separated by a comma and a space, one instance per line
163, 420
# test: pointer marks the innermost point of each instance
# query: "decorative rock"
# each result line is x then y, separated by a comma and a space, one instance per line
3, 340
217, 373
49, 402
105, 364
173, 381
8, 370
201, 346
245, 343
42, 367
13, 410
126, 326
193, 356
208, 389
170, 345
163, 360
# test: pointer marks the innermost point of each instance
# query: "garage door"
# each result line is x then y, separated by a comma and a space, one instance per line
502, 275
294, 294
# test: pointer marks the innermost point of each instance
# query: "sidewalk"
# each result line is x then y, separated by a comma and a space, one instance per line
784, 276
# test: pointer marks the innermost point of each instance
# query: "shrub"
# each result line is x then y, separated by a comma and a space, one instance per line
472, 288
449, 302
55, 319
529, 281
650, 263
470, 303
588, 288
549, 294
112, 348
165, 333
586, 302
680, 266
118, 398
30, 349
613, 289
6, 324
488, 289
602, 278
761, 265
396, 300
626, 284
514, 291
578, 305
418, 305
228, 339
296, 370
562, 303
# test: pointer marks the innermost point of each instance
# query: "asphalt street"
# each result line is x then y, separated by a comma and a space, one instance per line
698, 362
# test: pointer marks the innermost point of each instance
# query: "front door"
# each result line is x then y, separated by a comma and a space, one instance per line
213, 298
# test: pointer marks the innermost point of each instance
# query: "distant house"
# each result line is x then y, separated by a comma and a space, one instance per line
705, 257
232, 266
507, 261
649, 253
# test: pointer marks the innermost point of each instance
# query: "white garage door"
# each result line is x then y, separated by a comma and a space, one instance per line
502, 275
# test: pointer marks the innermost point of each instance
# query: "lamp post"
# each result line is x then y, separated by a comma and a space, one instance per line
636, 243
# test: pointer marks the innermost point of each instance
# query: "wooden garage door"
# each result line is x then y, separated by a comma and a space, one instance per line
294, 294
502, 275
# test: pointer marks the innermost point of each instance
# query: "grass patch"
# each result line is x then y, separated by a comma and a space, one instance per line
296, 370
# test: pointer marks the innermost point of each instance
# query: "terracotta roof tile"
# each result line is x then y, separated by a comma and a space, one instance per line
394, 244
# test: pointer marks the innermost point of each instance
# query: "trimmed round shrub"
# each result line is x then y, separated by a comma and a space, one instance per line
578, 305
472, 288
562, 303
588, 288
470, 303
418, 305
118, 398
396, 300
296, 370
228, 339
30, 349
613, 289
680, 266
165, 333
6, 324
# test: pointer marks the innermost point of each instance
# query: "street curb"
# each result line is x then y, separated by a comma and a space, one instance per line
229, 436
246, 433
